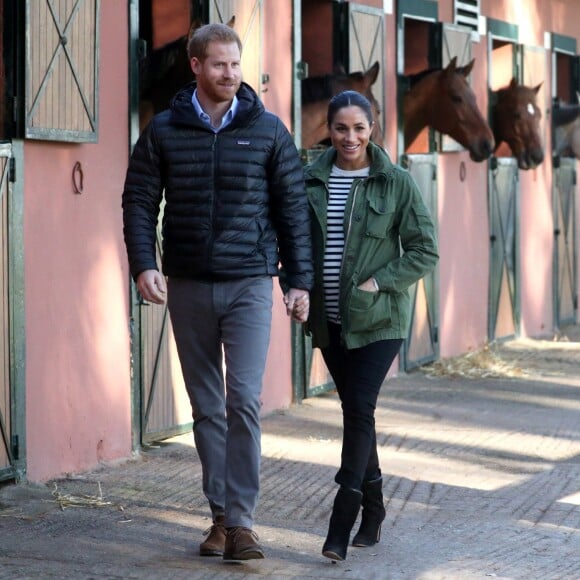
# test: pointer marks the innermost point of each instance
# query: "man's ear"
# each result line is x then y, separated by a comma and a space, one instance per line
194, 64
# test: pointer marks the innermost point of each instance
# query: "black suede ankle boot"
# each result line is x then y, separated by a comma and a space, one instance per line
344, 512
373, 514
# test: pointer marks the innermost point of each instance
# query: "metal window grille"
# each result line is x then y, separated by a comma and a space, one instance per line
466, 13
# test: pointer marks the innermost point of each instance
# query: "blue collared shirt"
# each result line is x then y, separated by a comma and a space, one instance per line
226, 119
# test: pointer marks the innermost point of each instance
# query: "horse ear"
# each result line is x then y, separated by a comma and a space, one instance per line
537, 88
338, 68
373, 73
452, 65
466, 70
231, 21
513, 83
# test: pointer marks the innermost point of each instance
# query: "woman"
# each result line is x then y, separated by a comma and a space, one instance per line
364, 210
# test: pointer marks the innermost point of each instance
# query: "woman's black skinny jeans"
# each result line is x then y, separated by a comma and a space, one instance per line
358, 375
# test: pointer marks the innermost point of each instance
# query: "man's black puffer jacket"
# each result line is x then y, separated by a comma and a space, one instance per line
232, 199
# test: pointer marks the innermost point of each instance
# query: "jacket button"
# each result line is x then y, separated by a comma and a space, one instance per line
357, 218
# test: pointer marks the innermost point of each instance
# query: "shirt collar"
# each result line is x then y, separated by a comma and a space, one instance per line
226, 119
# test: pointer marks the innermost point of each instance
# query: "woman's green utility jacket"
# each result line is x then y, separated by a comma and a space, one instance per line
389, 235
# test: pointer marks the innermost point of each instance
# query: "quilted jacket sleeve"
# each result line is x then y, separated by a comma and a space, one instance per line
142, 195
290, 212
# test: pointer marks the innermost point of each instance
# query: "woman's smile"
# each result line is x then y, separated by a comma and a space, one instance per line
350, 132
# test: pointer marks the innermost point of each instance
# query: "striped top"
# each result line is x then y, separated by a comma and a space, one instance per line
339, 184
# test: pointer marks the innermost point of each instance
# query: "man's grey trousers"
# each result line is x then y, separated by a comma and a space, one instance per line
237, 316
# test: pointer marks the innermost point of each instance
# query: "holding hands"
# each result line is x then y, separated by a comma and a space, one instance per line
297, 304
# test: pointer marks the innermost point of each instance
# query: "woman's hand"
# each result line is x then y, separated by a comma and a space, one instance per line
369, 285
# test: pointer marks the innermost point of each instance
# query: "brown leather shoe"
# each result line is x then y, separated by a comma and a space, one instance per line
215, 542
242, 544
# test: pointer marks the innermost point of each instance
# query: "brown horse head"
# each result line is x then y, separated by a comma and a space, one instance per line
442, 99
516, 120
317, 92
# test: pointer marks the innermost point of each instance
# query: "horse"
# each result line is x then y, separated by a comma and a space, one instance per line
516, 120
566, 123
316, 94
443, 100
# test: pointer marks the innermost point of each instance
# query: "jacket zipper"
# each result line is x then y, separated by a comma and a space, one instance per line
354, 195
213, 205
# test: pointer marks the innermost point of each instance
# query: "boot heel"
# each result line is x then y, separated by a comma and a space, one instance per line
373, 514
365, 540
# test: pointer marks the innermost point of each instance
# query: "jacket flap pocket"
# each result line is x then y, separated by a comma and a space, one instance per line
380, 217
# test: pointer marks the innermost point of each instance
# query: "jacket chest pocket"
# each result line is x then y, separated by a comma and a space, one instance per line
380, 217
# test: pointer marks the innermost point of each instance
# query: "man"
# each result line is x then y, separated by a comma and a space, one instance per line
235, 206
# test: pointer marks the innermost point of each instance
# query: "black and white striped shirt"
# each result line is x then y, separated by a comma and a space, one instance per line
339, 185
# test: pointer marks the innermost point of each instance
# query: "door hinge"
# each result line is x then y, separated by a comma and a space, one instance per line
141, 48
12, 170
435, 335
301, 70
15, 445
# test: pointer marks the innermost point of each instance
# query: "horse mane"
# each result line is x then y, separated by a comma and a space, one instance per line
563, 114
159, 63
414, 78
317, 88
323, 87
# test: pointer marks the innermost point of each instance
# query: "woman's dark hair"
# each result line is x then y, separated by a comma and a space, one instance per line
349, 99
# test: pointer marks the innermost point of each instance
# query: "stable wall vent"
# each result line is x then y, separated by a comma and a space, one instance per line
466, 13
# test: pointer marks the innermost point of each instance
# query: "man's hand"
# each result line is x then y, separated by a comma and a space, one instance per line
297, 304
151, 285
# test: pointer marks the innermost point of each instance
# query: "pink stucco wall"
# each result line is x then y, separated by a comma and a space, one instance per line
536, 252
534, 17
464, 239
277, 97
464, 255
76, 284
536, 214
